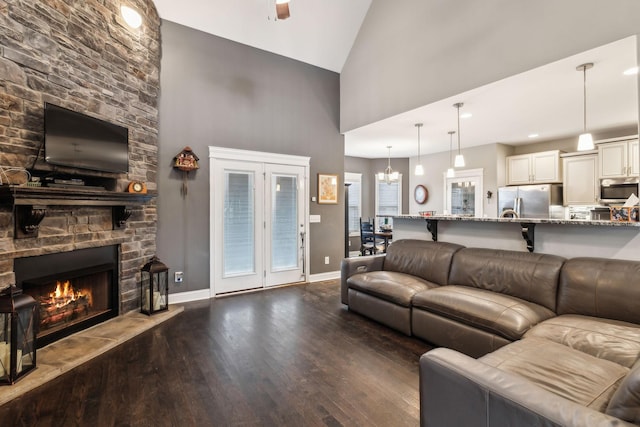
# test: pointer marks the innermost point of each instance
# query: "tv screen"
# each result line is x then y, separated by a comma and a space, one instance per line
79, 141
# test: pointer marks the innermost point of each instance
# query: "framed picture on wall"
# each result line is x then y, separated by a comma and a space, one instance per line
327, 189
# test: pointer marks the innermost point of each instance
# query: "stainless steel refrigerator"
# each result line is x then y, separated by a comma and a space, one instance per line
531, 201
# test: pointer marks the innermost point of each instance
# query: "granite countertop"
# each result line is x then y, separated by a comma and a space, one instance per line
523, 220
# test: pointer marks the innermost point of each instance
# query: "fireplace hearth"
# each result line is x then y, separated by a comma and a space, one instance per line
74, 290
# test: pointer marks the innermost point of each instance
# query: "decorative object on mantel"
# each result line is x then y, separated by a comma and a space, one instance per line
17, 335
419, 169
389, 175
186, 161
327, 189
585, 140
459, 160
137, 187
154, 287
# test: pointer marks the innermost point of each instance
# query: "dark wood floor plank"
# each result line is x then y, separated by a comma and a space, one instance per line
291, 356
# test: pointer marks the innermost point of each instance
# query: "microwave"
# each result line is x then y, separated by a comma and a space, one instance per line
617, 190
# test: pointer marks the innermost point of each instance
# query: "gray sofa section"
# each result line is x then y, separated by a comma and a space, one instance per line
384, 288
557, 341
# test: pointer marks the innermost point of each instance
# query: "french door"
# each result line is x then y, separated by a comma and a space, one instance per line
258, 224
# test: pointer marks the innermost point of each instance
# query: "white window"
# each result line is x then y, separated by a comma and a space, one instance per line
388, 199
463, 194
355, 201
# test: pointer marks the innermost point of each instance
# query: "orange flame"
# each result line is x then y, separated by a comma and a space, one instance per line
65, 294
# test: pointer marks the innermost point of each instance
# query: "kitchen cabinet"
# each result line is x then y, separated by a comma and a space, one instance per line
535, 168
580, 179
618, 159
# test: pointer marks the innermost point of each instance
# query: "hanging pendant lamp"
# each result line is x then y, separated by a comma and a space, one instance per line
419, 169
389, 175
451, 173
585, 140
459, 161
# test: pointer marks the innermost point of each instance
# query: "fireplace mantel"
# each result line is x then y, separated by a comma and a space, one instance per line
30, 204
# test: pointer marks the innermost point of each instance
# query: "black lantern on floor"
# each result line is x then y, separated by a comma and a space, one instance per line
155, 287
18, 317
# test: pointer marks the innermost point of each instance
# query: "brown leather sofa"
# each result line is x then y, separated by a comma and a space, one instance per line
558, 340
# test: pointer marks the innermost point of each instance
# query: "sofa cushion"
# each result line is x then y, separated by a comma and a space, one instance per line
599, 287
529, 276
398, 288
572, 374
500, 314
421, 258
603, 338
625, 402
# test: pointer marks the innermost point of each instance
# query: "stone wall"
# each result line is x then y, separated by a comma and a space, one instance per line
80, 54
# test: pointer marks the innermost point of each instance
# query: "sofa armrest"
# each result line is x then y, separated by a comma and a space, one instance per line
457, 390
351, 266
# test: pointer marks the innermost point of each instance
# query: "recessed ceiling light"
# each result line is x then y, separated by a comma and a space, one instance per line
131, 16
465, 115
631, 71
533, 135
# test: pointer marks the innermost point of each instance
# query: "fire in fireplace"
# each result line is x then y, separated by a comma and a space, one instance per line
64, 304
70, 300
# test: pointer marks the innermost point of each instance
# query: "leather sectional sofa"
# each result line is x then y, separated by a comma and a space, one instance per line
525, 338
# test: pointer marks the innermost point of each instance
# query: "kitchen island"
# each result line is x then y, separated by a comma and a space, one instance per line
565, 237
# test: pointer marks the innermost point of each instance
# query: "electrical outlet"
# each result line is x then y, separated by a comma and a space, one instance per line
326, 260
178, 276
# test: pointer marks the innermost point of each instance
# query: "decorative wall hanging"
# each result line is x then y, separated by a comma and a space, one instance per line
327, 189
186, 161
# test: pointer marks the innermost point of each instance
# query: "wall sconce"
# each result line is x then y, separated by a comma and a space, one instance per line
131, 16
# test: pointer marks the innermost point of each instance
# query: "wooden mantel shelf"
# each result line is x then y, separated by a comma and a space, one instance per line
30, 204
48, 196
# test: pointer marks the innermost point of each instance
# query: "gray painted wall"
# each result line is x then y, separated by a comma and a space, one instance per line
410, 53
490, 158
216, 92
368, 168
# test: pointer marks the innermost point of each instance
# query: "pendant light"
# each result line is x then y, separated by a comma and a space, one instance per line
388, 175
451, 173
419, 169
585, 141
459, 161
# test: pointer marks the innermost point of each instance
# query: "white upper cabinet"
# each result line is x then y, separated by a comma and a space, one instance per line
580, 180
535, 168
618, 159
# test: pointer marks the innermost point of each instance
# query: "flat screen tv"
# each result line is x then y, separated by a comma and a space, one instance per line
77, 140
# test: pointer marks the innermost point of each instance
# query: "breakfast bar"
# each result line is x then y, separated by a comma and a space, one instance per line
564, 237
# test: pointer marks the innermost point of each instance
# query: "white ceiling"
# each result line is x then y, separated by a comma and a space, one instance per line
547, 100
319, 32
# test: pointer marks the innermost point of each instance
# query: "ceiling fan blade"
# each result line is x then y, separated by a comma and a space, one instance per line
282, 10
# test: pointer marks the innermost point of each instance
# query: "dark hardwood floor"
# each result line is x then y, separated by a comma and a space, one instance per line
292, 356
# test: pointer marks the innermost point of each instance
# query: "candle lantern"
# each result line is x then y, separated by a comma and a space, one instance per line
155, 287
18, 317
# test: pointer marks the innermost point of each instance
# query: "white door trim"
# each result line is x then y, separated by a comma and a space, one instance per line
222, 153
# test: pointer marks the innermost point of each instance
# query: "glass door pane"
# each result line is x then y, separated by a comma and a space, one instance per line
284, 222
284, 216
238, 229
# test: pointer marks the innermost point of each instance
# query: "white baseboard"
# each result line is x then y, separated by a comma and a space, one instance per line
182, 297
324, 276
189, 296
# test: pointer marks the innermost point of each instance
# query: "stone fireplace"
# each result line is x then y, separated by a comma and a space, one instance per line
81, 56
74, 290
